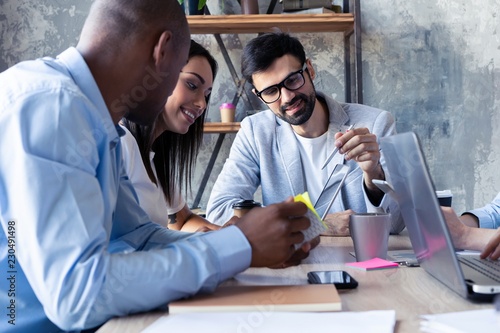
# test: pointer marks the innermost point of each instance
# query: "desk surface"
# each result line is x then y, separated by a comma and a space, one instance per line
408, 290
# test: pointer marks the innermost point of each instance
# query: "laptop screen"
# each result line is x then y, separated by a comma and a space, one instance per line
407, 173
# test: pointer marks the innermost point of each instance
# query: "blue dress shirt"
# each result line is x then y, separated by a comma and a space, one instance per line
76, 248
489, 215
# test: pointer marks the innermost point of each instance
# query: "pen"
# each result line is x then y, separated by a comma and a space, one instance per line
334, 151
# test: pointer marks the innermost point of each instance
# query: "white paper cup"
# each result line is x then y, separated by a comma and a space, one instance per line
227, 112
444, 197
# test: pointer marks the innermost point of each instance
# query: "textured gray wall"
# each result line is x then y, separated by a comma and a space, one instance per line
434, 65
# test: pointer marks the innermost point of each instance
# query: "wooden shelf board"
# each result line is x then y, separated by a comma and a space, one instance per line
221, 127
234, 24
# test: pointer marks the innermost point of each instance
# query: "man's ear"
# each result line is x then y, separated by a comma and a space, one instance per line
254, 91
163, 47
310, 69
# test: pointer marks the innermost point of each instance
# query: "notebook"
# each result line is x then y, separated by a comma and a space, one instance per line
310, 297
412, 187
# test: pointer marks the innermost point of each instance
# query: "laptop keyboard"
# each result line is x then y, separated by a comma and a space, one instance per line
490, 268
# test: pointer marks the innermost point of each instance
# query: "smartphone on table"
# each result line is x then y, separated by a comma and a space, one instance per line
341, 279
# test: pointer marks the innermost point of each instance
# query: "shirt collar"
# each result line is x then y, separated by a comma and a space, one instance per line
337, 113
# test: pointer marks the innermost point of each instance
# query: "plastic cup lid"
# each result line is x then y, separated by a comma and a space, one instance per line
444, 194
246, 204
227, 106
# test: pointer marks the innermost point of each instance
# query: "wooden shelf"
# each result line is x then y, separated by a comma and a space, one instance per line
221, 127
234, 24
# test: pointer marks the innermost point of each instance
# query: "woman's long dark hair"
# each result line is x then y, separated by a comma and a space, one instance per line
175, 154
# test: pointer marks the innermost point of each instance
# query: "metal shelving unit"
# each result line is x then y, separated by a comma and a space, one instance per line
347, 23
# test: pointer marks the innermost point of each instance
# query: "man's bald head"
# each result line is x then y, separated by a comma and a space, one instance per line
121, 21
135, 50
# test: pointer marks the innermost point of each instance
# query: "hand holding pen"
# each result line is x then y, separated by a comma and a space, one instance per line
334, 150
361, 146
358, 144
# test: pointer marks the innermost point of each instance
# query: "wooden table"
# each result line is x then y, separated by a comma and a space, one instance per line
408, 290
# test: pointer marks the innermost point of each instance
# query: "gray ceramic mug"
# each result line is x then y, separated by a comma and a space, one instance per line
370, 235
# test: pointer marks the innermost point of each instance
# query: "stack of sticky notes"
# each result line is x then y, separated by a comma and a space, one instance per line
317, 225
372, 264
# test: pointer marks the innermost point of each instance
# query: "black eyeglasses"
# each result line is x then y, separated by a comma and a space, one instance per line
292, 82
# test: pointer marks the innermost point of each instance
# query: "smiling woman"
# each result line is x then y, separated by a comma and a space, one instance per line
159, 159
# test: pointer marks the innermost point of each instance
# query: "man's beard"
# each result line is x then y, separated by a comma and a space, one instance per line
301, 116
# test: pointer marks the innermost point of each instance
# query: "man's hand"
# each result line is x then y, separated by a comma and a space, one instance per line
338, 223
472, 238
273, 231
361, 146
300, 254
492, 249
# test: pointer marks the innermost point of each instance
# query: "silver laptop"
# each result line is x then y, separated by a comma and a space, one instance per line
410, 183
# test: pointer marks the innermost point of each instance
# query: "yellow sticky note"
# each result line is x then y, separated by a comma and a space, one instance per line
317, 225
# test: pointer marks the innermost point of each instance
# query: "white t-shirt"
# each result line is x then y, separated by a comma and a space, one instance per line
151, 197
313, 154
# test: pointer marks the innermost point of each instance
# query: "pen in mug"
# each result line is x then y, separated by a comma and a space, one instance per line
334, 151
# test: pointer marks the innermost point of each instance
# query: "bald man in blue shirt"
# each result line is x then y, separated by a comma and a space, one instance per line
76, 248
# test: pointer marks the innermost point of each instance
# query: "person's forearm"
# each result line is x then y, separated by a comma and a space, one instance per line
186, 220
470, 220
476, 238
197, 223
123, 281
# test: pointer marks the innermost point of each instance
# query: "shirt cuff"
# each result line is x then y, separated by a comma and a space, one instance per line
370, 208
233, 249
485, 220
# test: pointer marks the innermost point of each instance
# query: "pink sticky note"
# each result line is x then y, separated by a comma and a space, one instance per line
375, 263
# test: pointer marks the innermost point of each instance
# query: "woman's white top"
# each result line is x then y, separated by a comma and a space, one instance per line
151, 197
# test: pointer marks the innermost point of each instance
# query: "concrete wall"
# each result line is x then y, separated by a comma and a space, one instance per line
433, 64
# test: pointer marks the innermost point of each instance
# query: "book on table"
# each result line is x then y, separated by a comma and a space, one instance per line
309, 297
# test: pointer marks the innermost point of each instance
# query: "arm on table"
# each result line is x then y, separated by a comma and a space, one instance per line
472, 238
186, 220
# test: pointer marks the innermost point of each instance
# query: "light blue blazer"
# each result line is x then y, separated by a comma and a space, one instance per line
265, 153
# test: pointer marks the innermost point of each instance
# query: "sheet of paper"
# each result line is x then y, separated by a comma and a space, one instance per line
474, 321
272, 322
